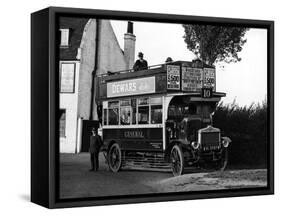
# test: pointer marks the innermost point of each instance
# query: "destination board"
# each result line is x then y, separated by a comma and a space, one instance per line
192, 79
209, 80
173, 77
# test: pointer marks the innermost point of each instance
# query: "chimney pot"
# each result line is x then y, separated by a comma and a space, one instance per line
130, 28
129, 46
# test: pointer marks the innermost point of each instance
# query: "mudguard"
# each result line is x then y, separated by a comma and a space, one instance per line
227, 139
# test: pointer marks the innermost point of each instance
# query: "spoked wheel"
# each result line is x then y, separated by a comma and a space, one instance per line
177, 161
114, 158
222, 163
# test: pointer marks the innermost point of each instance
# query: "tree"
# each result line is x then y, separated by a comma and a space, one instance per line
215, 43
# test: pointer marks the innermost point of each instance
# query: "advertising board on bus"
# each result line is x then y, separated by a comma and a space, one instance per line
131, 87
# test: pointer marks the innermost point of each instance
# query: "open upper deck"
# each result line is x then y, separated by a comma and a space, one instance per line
173, 77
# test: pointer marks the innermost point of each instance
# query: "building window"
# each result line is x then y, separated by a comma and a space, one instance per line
67, 77
64, 37
62, 123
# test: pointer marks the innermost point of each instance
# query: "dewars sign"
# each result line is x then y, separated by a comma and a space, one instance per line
131, 87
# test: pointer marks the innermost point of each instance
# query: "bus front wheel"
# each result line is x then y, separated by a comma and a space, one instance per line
114, 158
177, 160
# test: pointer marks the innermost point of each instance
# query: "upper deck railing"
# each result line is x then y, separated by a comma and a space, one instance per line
109, 73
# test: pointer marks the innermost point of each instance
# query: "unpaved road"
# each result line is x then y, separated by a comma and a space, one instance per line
214, 181
77, 182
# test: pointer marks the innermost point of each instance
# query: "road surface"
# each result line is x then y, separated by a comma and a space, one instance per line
76, 181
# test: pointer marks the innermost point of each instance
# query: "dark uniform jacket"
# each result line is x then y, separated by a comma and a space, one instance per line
140, 65
95, 144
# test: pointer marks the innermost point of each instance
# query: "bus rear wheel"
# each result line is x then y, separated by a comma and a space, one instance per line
114, 158
177, 160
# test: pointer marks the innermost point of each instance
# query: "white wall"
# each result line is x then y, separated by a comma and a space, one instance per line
88, 46
15, 108
110, 58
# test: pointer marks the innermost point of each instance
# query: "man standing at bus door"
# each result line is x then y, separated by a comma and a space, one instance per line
140, 64
95, 144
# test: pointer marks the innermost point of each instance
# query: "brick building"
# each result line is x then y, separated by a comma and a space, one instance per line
88, 47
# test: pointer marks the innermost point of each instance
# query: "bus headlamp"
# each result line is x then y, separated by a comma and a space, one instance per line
195, 145
225, 143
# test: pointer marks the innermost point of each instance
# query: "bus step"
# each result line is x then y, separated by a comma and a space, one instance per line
139, 168
133, 164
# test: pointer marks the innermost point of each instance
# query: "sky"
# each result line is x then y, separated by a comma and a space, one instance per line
244, 81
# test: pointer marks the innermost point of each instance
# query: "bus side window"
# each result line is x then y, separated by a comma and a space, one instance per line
156, 114
143, 111
143, 116
134, 110
105, 117
193, 110
125, 112
156, 110
113, 113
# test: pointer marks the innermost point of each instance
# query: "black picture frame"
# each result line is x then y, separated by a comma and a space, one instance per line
45, 105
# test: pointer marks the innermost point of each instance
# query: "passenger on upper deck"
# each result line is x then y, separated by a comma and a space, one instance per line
140, 64
168, 60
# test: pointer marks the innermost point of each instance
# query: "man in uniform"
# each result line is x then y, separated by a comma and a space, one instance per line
95, 144
140, 64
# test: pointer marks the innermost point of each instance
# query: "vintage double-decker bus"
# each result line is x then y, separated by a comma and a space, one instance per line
162, 114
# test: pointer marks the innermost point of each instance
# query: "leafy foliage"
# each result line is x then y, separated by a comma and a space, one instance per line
215, 43
247, 128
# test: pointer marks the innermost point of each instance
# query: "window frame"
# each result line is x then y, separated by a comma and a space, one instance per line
67, 32
74, 77
143, 105
115, 106
125, 106
160, 103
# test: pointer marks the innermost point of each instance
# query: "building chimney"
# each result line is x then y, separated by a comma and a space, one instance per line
129, 46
